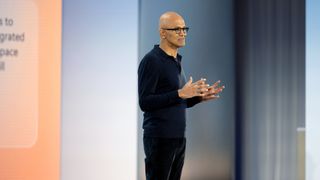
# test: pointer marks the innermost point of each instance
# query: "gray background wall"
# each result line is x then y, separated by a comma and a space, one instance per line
209, 53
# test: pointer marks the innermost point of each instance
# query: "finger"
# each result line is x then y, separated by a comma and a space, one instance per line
206, 98
203, 90
216, 84
216, 90
220, 88
205, 85
213, 96
199, 92
190, 80
195, 87
200, 88
201, 81
210, 93
204, 79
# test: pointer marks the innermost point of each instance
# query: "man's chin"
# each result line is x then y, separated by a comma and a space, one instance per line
181, 45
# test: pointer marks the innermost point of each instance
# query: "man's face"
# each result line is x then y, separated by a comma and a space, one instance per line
175, 33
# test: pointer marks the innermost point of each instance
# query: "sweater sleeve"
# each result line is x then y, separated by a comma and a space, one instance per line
193, 101
148, 77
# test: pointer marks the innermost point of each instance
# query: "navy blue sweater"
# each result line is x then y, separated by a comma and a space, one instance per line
159, 78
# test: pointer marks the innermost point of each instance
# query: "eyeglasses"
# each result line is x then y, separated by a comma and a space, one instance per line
178, 30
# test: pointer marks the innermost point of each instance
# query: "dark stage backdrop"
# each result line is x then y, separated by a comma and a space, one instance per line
270, 59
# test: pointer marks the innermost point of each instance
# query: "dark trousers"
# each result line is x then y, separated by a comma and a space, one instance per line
164, 157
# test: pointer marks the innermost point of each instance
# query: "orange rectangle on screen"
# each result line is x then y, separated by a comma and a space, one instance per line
30, 60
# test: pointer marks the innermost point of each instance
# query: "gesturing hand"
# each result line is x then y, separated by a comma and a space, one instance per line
190, 89
213, 91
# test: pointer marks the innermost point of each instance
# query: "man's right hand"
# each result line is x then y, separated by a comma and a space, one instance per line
190, 89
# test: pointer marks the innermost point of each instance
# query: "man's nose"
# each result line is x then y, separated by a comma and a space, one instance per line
182, 33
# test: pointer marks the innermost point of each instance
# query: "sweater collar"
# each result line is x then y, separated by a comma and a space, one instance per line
164, 54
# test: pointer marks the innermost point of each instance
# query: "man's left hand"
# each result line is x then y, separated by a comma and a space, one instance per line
213, 92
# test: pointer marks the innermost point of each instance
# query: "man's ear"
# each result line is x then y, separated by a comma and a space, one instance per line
162, 34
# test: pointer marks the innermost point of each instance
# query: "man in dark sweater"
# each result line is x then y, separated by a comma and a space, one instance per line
164, 96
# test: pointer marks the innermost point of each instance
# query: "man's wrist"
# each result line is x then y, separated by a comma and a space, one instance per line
180, 94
